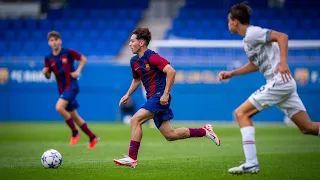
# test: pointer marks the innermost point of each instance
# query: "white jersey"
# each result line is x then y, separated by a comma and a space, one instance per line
266, 56
262, 53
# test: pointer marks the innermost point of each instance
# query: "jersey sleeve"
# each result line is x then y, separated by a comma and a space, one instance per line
158, 61
47, 65
134, 73
74, 55
257, 35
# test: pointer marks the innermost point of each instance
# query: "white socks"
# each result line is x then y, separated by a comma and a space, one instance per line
249, 145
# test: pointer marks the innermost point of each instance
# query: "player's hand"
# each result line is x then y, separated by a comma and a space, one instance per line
75, 74
284, 70
124, 99
164, 100
45, 70
224, 75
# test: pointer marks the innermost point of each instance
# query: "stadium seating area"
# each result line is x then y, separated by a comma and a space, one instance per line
207, 19
203, 19
100, 27
95, 27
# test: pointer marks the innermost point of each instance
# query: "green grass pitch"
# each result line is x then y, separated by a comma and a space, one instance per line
284, 153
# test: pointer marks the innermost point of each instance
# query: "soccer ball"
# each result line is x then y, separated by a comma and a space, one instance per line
127, 119
51, 159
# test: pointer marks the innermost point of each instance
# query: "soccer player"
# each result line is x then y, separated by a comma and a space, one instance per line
267, 51
157, 76
61, 62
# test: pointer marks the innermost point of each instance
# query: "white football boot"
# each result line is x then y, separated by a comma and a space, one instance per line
244, 168
211, 135
126, 161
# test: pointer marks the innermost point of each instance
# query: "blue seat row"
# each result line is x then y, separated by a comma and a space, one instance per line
103, 4
67, 24
41, 48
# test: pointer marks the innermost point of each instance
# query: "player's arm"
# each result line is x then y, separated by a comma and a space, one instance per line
135, 81
259, 35
163, 65
46, 70
171, 74
77, 56
282, 40
246, 69
134, 85
83, 61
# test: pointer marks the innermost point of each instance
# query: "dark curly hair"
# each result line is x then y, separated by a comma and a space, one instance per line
241, 12
144, 34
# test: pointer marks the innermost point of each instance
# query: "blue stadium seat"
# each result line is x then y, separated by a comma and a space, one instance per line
314, 34
15, 46
306, 24
45, 25
96, 22
204, 19
300, 34
11, 35
31, 24
3, 48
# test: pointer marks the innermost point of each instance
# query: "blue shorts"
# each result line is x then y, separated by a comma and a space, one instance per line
70, 96
161, 113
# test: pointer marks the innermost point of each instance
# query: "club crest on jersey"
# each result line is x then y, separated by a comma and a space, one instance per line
147, 67
64, 59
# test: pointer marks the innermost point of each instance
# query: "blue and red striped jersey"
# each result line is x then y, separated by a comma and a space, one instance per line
149, 68
62, 65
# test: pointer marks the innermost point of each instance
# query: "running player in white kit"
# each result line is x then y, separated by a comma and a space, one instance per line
267, 51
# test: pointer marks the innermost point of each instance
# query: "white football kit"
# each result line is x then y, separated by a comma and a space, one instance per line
267, 57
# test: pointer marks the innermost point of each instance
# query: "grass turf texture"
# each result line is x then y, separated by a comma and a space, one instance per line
284, 153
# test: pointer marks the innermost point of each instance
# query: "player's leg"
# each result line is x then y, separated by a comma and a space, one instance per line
295, 110
268, 95
61, 109
243, 115
304, 123
162, 122
182, 133
93, 139
137, 120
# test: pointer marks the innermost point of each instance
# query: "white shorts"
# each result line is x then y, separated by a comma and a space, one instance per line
284, 95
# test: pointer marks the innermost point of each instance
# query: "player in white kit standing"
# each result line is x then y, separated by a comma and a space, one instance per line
267, 51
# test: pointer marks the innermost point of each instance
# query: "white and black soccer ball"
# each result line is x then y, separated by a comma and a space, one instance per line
51, 159
127, 119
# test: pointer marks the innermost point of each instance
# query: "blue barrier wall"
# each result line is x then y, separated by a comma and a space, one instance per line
25, 95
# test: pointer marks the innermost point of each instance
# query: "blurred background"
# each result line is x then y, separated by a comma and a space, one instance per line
192, 34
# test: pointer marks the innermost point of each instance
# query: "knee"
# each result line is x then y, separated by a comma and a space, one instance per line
59, 108
134, 122
239, 114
